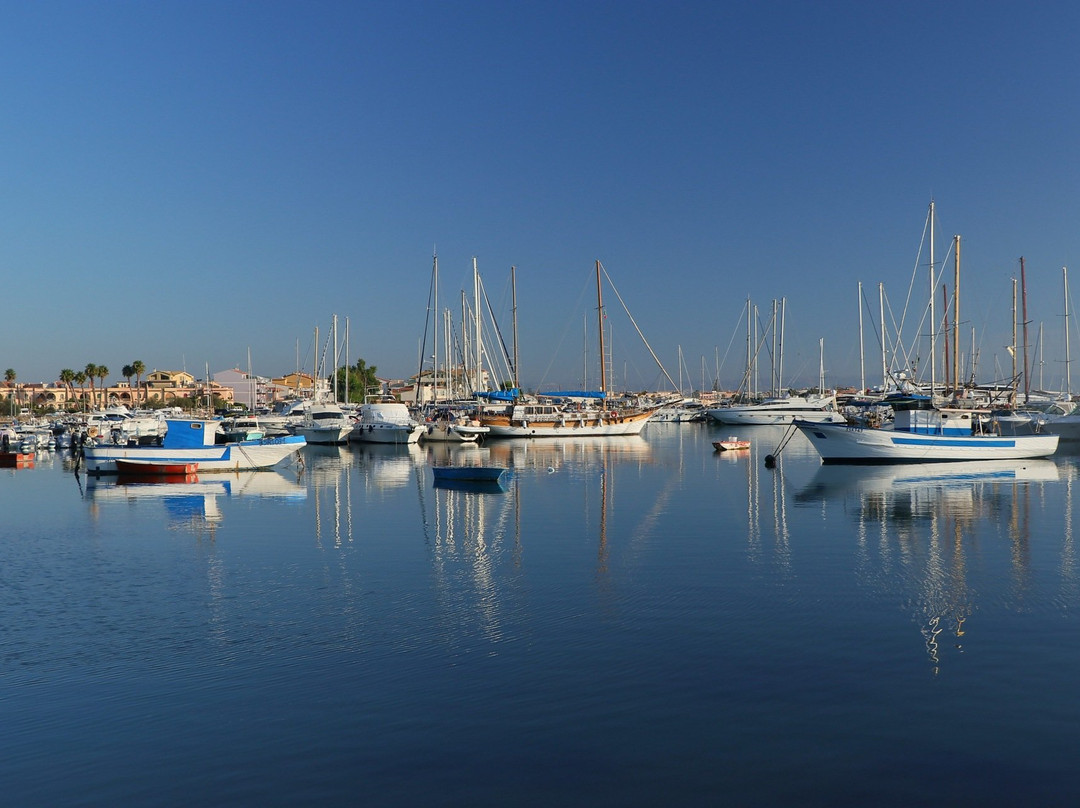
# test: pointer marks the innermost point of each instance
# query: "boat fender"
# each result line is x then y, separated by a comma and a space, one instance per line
562, 422
524, 424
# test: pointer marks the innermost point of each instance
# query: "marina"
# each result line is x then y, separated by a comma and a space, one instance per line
633, 620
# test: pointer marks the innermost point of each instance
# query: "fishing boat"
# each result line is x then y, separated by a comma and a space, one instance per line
474, 473
921, 433
191, 440
731, 444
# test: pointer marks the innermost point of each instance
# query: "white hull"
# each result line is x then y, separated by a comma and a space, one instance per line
851, 444
386, 433
325, 435
443, 433
1067, 427
780, 411
735, 416
226, 457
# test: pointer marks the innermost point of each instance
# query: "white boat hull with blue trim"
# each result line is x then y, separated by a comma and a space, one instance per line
841, 443
192, 441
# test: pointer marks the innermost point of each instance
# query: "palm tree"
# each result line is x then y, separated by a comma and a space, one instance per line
127, 371
67, 376
9, 377
80, 379
102, 372
91, 371
139, 369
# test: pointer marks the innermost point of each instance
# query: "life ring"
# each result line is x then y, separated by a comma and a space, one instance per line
93, 433
613, 414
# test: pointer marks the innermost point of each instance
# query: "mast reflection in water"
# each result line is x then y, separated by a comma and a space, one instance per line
634, 621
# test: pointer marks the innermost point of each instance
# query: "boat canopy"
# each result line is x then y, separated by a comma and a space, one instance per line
501, 395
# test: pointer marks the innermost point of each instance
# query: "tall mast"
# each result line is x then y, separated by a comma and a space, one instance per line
1068, 371
774, 382
862, 356
333, 329
956, 317
1012, 348
435, 325
476, 320
933, 321
821, 366
749, 346
600, 318
884, 359
780, 349
1023, 298
513, 298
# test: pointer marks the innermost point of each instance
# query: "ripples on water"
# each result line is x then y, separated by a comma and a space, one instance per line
627, 622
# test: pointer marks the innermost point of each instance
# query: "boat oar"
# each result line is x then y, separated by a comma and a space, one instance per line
770, 459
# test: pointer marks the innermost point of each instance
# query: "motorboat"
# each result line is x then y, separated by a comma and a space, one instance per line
385, 422
324, 423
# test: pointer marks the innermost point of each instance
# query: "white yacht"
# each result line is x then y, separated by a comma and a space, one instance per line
780, 410
385, 422
324, 423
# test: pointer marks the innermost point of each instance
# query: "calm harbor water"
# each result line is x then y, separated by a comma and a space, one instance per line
630, 622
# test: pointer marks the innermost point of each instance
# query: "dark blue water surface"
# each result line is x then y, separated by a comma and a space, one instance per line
629, 622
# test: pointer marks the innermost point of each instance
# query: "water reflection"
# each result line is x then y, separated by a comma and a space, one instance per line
190, 502
556, 454
387, 466
919, 525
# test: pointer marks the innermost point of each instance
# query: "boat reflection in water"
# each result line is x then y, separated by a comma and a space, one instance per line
929, 528
572, 454
923, 488
191, 501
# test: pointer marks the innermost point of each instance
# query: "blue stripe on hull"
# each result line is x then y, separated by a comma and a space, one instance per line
967, 443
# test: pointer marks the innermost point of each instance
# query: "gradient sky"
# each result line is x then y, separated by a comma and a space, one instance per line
187, 181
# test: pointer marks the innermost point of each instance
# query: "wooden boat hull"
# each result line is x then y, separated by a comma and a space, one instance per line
730, 445
147, 468
571, 425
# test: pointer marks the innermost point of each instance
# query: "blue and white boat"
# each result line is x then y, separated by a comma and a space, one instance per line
922, 433
191, 440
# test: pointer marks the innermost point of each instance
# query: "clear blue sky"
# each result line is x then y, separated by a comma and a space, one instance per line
183, 181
